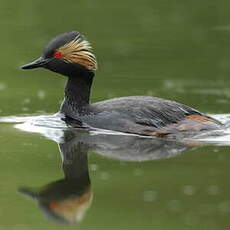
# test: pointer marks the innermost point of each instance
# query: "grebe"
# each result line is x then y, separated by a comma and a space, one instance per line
70, 54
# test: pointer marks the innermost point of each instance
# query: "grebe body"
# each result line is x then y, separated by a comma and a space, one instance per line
70, 54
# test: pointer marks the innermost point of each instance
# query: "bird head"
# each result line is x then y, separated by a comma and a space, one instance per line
68, 54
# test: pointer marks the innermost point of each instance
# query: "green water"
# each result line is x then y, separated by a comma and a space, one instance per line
172, 49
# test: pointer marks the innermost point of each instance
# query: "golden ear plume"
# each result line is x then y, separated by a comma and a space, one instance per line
79, 51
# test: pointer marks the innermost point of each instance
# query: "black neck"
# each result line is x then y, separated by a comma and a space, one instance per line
77, 93
75, 160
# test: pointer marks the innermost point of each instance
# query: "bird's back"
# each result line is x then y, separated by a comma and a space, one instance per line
145, 115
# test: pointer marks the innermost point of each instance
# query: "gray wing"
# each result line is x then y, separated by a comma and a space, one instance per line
136, 113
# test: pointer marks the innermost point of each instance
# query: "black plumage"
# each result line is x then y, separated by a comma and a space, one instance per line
134, 114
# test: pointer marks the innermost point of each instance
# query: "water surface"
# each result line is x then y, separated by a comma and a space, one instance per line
171, 49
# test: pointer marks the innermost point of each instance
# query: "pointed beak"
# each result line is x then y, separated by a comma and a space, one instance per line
40, 62
28, 193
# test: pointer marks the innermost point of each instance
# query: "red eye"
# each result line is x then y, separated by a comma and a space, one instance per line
53, 204
57, 54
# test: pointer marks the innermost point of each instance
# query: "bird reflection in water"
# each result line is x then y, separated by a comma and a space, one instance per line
67, 200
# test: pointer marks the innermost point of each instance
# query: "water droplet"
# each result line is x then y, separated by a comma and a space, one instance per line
137, 172
26, 101
104, 176
213, 190
189, 190
150, 196
168, 84
110, 95
224, 207
94, 167
41, 94
2, 86
175, 205
149, 93
25, 109
27, 144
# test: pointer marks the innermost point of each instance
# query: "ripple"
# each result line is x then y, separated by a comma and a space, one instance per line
51, 126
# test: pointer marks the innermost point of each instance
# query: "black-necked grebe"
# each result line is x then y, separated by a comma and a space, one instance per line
70, 54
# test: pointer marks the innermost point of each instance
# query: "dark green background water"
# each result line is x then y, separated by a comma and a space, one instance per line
172, 49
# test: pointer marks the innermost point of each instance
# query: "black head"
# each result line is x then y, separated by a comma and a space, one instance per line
67, 54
